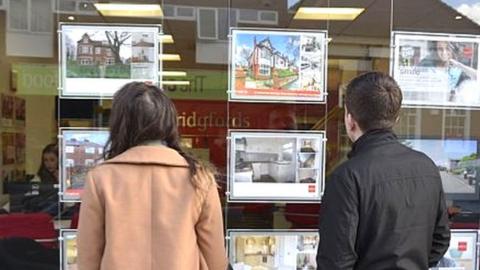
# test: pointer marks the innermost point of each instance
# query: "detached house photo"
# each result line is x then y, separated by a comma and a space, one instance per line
98, 54
143, 48
81, 155
267, 61
82, 151
92, 52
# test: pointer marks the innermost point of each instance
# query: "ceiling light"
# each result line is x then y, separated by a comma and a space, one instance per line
166, 39
175, 82
129, 10
458, 17
173, 73
170, 57
330, 13
71, 18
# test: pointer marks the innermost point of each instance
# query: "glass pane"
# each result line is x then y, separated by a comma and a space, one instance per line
18, 15
41, 16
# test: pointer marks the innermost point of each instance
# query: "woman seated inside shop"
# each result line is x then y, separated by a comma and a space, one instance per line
44, 196
48, 171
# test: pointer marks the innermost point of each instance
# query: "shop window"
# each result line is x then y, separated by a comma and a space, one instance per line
247, 16
457, 123
18, 15
207, 23
65, 6
257, 17
184, 12
30, 16
168, 11
268, 17
177, 12
41, 20
409, 123
224, 24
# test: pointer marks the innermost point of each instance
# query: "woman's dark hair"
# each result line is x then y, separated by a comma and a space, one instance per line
142, 113
45, 175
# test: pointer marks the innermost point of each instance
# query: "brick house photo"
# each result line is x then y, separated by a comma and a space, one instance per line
94, 52
80, 156
98, 53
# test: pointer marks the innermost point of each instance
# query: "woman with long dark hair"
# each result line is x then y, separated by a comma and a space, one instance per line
149, 205
48, 171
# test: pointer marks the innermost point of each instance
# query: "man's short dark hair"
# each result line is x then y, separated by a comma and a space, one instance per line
374, 100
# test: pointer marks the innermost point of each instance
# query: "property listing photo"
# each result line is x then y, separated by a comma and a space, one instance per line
278, 66
254, 250
276, 165
81, 150
457, 161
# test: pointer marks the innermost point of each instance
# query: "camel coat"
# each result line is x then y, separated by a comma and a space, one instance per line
140, 211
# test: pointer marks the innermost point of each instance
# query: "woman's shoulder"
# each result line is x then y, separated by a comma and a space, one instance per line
204, 177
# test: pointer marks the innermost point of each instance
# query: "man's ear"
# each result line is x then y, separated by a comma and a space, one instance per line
349, 121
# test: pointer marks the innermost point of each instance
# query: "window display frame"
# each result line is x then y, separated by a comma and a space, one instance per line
63, 194
65, 234
318, 185
398, 36
109, 86
320, 98
231, 235
475, 234
453, 196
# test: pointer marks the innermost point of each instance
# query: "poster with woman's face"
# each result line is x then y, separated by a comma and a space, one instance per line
437, 70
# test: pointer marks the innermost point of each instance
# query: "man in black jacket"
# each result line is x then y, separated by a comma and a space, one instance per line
384, 208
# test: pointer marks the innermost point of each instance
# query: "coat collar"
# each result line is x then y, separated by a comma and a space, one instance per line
370, 139
150, 154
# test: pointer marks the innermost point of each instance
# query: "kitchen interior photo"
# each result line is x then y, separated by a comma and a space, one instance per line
276, 160
307, 250
261, 252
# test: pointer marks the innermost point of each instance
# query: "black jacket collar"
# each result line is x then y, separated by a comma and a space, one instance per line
371, 138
